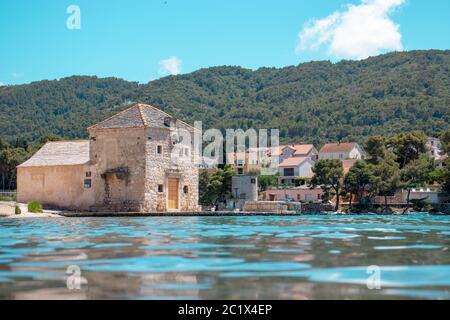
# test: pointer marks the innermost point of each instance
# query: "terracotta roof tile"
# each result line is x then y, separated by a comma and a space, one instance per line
293, 161
347, 164
338, 147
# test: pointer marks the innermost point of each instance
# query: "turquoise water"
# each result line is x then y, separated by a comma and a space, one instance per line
307, 257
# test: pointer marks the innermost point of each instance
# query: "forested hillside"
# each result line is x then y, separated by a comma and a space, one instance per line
312, 102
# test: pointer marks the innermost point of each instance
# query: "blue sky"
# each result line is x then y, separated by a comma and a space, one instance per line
142, 40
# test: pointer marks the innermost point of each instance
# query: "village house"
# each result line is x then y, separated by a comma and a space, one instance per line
133, 161
341, 151
433, 146
257, 158
294, 167
298, 150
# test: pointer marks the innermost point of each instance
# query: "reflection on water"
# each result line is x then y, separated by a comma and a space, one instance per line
309, 257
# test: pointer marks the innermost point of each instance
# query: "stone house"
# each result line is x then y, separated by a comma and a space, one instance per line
139, 160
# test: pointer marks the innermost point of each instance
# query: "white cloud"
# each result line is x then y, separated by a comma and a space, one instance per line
170, 66
356, 32
1, 84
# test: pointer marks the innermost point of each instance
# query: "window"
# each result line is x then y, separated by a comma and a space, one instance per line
240, 171
87, 183
88, 174
253, 181
160, 188
186, 152
341, 156
288, 172
159, 149
185, 189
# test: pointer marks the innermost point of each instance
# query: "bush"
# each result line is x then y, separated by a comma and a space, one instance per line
34, 207
17, 210
421, 205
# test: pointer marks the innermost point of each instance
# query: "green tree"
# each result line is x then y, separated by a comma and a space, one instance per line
216, 187
358, 179
49, 136
387, 179
375, 147
415, 174
328, 175
204, 189
10, 158
445, 141
407, 146
264, 181
442, 176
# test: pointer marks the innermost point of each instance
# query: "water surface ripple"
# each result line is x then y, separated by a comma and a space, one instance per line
307, 257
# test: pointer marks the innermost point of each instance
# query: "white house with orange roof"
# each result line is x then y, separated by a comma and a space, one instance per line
298, 150
341, 151
294, 167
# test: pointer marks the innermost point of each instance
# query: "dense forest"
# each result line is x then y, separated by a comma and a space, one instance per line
312, 102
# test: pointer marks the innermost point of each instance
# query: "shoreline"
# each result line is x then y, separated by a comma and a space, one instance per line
225, 214
92, 214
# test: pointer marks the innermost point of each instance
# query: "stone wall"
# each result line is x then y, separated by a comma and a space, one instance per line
174, 161
119, 158
55, 186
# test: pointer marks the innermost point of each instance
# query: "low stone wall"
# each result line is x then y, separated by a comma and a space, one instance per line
7, 208
281, 206
265, 206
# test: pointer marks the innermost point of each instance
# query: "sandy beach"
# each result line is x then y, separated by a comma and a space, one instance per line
7, 210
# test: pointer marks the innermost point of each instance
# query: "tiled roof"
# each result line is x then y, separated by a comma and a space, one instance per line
293, 161
60, 153
347, 164
136, 116
338, 147
301, 149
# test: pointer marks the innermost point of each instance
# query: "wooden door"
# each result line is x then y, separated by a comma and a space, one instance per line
173, 193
